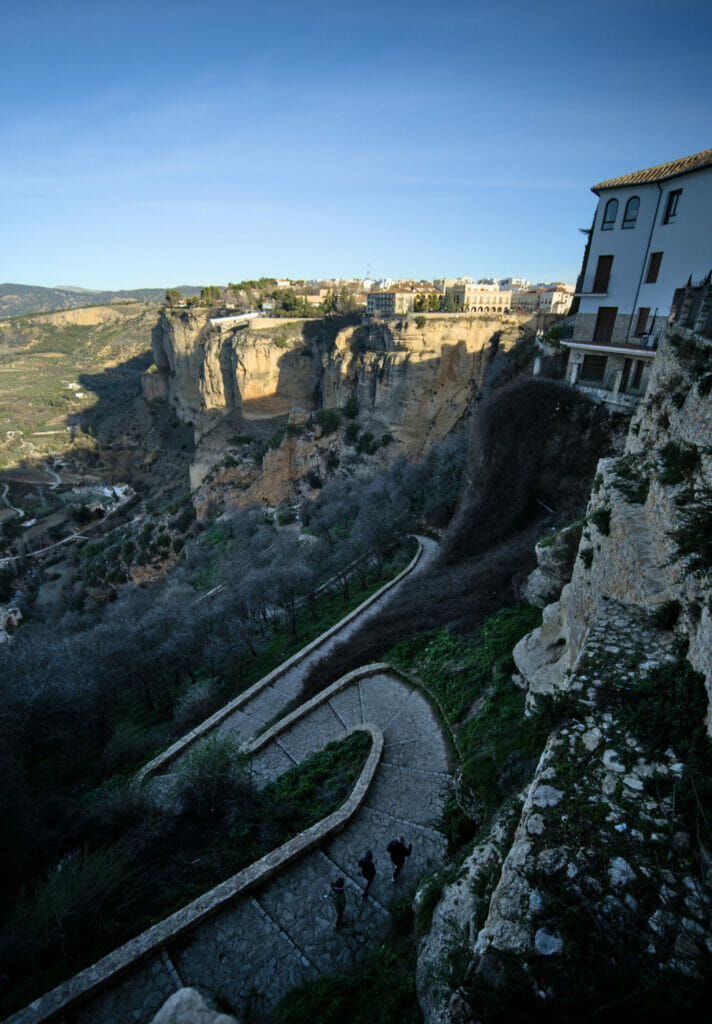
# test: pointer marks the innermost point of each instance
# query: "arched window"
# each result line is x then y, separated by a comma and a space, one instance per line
631, 212
609, 215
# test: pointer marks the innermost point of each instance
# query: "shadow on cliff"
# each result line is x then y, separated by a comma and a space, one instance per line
534, 446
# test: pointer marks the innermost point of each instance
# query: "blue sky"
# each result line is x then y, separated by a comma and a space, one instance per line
160, 144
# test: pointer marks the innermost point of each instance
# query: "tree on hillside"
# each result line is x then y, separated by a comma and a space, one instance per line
210, 294
173, 296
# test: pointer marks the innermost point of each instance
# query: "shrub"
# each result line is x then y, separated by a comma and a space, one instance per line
601, 519
586, 556
351, 433
631, 479
693, 539
351, 406
420, 322
207, 777
195, 704
328, 420
277, 437
184, 519
314, 480
367, 444
680, 462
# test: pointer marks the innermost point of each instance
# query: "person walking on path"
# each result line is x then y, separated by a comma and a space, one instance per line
399, 851
368, 870
338, 895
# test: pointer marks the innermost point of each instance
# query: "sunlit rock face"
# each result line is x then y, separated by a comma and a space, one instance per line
413, 377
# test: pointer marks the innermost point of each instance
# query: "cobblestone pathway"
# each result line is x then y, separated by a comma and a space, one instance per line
273, 938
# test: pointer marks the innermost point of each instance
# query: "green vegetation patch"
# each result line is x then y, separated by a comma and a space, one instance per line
680, 462
457, 670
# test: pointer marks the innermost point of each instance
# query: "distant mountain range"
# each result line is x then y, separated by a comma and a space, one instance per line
20, 299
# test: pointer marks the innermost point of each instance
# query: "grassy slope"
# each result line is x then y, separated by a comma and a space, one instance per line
41, 355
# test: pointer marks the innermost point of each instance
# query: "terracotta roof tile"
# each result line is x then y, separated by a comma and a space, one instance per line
651, 174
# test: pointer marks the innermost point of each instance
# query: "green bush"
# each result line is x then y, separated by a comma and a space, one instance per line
206, 778
680, 462
351, 433
351, 406
693, 539
328, 420
601, 519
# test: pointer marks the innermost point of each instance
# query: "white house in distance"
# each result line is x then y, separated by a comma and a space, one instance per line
652, 232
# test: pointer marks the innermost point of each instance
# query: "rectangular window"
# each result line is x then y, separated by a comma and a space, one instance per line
638, 374
603, 331
593, 368
656, 259
603, 274
642, 321
671, 208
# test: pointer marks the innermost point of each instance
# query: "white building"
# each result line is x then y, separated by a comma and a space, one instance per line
513, 284
652, 232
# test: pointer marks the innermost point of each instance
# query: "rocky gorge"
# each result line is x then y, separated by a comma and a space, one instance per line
236, 380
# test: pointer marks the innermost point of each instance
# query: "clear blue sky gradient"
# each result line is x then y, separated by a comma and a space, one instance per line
177, 143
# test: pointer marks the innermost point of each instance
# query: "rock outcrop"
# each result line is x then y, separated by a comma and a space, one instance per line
604, 857
187, 1006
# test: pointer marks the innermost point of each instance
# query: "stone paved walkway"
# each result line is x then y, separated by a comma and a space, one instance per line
274, 937
271, 701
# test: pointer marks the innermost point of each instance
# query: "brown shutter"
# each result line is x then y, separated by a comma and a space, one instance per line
593, 368
656, 259
642, 323
603, 274
603, 331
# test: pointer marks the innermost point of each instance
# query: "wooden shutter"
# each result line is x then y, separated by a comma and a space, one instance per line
656, 259
593, 368
603, 331
642, 323
603, 274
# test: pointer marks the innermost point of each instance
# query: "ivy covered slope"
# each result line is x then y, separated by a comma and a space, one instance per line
591, 897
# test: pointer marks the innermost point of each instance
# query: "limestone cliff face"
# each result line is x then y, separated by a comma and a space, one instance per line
416, 380
637, 507
412, 378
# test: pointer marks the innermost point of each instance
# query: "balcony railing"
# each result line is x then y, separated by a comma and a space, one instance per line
643, 343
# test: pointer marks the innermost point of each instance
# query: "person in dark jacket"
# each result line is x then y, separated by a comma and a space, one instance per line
368, 871
399, 851
338, 895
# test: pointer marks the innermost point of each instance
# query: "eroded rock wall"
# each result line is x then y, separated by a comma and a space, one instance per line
416, 378
602, 847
